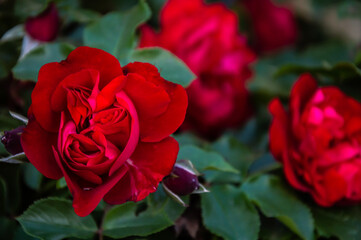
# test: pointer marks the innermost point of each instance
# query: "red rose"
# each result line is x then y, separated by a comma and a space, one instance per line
45, 26
206, 38
274, 26
318, 141
104, 128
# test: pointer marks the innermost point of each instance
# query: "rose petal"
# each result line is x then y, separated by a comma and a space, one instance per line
342, 152
148, 165
87, 199
37, 145
148, 37
106, 96
177, 9
51, 74
351, 173
149, 99
114, 123
281, 142
128, 150
82, 80
279, 129
155, 128
332, 189
301, 93
315, 116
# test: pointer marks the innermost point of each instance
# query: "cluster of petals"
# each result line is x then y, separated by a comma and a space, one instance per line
103, 127
318, 142
206, 37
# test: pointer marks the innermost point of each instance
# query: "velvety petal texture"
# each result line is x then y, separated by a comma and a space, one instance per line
318, 141
104, 128
218, 99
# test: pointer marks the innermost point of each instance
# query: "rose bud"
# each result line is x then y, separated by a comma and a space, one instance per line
181, 181
11, 140
208, 41
318, 142
45, 26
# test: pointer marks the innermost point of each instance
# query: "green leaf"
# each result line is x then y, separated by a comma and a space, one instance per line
27, 8
264, 84
269, 82
160, 200
115, 32
227, 213
61, 183
275, 200
345, 75
122, 220
341, 222
237, 154
188, 138
32, 176
204, 160
9, 54
82, 15
2, 196
156, 6
345, 9
340, 71
170, 67
21, 235
28, 67
272, 229
11, 174
264, 163
13, 33
7, 122
330, 59
7, 228
3, 150
54, 219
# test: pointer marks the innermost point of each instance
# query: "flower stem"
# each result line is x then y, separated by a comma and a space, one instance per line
100, 231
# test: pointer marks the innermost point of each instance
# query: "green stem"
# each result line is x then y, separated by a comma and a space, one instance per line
100, 231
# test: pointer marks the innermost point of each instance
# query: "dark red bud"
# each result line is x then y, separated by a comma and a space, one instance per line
45, 26
11, 140
182, 181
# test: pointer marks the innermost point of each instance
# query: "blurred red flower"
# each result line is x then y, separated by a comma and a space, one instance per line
274, 26
45, 26
206, 38
318, 141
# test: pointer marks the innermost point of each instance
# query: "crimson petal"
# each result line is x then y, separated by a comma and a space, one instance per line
51, 74
37, 145
148, 165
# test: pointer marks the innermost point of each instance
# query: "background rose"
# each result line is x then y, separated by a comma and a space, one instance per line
206, 38
104, 128
274, 26
45, 26
318, 141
